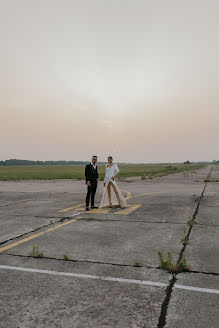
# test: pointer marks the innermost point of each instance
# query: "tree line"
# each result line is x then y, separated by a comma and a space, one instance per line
24, 162
14, 162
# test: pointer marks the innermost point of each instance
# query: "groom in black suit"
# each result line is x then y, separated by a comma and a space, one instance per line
91, 175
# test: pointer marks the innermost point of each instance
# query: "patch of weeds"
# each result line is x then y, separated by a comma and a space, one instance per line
51, 221
91, 218
166, 264
185, 239
182, 265
65, 257
36, 253
137, 264
169, 265
208, 178
190, 223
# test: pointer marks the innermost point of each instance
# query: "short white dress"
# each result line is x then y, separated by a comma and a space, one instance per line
110, 173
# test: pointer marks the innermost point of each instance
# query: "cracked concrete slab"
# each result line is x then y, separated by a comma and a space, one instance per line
109, 241
55, 301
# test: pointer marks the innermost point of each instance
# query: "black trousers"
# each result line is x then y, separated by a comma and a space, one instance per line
91, 191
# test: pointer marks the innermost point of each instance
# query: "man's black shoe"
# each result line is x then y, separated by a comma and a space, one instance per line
94, 207
87, 208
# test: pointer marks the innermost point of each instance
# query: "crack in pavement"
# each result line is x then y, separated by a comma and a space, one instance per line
21, 201
165, 304
82, 261
37, 229
203, 272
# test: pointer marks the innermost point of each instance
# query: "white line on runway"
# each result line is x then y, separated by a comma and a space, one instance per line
198, 289
123, 280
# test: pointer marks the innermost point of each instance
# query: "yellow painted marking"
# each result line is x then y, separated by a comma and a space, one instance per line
102, 210
78, 206
2, 249
128, 196
128, 210
107, 210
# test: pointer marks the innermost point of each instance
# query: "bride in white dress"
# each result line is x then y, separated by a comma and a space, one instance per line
111, 194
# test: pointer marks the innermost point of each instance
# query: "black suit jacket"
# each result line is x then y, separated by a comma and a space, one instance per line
91, 174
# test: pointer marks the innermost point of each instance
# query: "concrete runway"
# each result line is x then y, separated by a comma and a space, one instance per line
99, 285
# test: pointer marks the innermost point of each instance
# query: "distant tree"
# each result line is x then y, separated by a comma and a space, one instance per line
12, 162
187, 162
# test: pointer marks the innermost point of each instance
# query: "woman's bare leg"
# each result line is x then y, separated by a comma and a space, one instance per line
109, 194
117, 194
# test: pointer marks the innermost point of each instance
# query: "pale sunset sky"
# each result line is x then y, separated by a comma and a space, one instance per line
135, 79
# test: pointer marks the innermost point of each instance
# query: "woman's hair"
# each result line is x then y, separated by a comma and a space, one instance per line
110, 157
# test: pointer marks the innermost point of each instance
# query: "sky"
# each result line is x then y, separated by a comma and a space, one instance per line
135, 79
